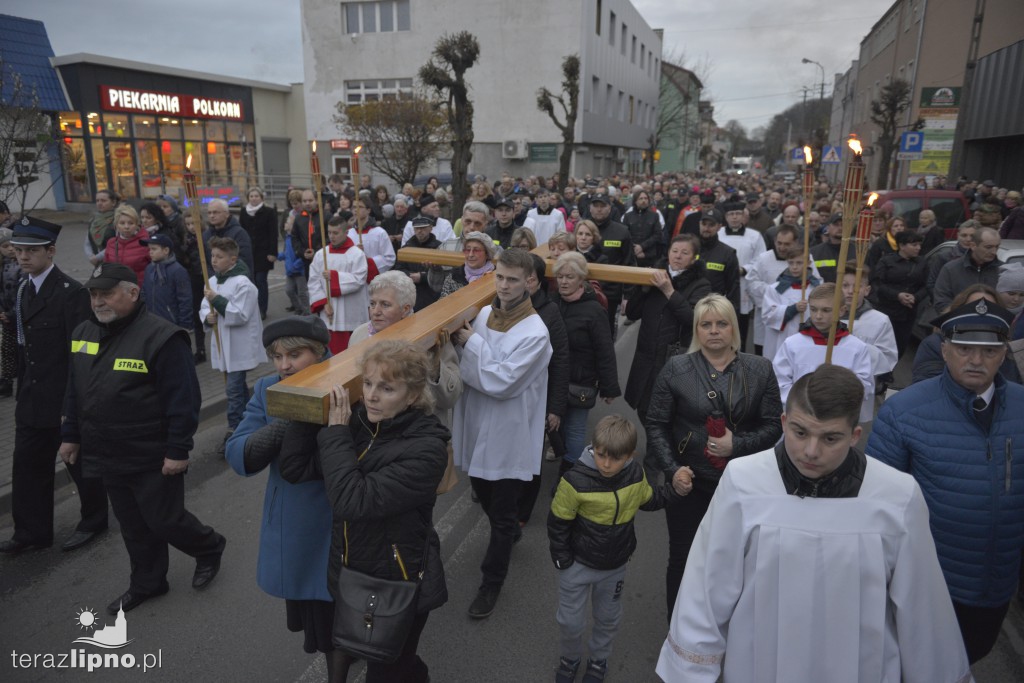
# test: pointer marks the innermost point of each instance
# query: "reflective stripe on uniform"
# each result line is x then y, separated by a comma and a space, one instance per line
88, 347
130, 365
714, 266
827, 263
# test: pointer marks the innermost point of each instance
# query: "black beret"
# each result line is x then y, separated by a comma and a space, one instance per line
305, 326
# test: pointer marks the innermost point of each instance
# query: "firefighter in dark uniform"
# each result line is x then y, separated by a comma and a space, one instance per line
132, 405
721, 266
617, 245
48, 306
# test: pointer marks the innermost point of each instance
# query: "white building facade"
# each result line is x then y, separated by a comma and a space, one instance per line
359, 51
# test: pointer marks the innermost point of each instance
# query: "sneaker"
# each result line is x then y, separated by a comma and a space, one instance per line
596, 669
483, 603
566, 671
549, 454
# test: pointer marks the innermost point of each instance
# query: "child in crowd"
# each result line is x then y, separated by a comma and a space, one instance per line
339, 294
166, 289
230, 304
870, 326
590, 530
802, 353
295, 278
784, 305
10, 275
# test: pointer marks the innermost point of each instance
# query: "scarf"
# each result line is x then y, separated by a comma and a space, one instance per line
503, 320
238, 269
787, 281
892, 241
251, 209
474, 274
819, 338
100, 223
673, 274
370, 329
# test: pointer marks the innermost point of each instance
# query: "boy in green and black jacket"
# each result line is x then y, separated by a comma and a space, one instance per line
590, 530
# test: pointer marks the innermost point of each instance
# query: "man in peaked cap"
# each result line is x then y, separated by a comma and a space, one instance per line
131, 410
48, 307
960, 435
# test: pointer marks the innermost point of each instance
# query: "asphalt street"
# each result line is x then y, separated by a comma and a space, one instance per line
235, 632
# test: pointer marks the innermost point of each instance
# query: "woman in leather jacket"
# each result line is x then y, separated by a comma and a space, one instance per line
713, 380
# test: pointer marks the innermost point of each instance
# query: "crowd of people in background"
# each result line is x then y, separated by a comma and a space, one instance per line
733, 326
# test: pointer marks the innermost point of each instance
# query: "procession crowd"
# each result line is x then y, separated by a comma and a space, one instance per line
820, 526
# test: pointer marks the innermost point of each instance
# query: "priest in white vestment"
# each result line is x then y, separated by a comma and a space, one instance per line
815, 564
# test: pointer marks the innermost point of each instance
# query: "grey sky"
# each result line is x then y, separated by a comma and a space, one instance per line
754, 47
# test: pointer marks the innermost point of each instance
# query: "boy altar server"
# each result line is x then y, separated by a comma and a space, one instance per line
339, 296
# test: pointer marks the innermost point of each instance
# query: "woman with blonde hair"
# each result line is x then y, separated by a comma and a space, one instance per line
125, 247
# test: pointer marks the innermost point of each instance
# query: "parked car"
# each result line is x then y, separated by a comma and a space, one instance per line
950, 207
1010, 251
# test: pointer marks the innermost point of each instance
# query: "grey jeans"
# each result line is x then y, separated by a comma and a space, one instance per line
604, 587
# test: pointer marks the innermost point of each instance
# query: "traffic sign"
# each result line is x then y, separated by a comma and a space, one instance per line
797, 154
911, 146
831, 154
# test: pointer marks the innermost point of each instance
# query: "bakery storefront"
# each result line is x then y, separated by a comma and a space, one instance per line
132, 131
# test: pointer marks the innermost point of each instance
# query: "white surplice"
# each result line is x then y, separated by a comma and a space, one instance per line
874, 329
799, 355
813, 590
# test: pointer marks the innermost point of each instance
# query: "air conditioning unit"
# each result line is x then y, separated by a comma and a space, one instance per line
514, 149
620, 153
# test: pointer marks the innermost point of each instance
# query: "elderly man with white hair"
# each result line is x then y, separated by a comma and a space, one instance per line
223, 224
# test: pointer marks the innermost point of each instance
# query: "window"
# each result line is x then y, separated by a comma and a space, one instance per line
357, 92
595, 85
622, 106
597, 27
643, 53
611, 28
609, 103
383, 16
622, 42
631, 107
633, 51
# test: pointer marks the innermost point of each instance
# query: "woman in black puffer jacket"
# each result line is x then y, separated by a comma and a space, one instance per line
381, 463
712, 379
665, 312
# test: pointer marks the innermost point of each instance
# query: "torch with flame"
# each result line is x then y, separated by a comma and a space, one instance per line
863, 241
852, 189
808, 201
314, 167
192, 197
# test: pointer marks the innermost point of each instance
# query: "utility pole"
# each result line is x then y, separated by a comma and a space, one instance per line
956, 160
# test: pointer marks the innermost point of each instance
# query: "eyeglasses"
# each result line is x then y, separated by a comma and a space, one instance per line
472, 250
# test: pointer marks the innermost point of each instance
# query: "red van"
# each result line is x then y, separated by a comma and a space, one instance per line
950, 207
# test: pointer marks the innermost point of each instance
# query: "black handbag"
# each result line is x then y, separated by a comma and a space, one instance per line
373, 616
581, 396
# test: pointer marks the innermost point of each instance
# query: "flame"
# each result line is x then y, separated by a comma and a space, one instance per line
314, 146
854, 144
807, 155
188, 162
359, 149
872, 198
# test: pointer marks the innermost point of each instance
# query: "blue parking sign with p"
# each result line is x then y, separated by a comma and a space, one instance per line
912, 141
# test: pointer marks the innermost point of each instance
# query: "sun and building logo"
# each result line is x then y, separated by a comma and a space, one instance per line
105, 636
98, 634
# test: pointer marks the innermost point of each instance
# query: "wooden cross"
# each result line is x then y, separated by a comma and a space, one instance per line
305, 396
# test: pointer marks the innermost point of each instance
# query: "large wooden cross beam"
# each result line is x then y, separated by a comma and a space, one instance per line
305, 396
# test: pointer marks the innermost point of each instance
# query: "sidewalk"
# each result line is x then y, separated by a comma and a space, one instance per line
71, 259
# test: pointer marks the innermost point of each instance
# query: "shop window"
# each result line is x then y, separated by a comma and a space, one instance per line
237, 131
215, 130
242, 166
217, 167
170, 129
193, 129
144, 126
148, 154
174, 166
76, 176
93, 124
122, 169
198, 165
70, 123
115, 126
99, 166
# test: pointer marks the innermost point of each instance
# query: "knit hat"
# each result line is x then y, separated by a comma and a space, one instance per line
1011, 278
304, 326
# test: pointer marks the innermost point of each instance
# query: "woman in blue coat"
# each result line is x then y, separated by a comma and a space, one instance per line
295, 534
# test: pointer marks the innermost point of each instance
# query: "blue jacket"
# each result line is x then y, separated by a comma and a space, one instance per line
295, 534
975, 503
167, 292
293, 263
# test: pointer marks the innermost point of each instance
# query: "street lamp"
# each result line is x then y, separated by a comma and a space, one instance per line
811, 61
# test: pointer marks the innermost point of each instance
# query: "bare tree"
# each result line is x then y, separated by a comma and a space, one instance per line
568, 100
26, 137
445, 73
885, 113
399, 135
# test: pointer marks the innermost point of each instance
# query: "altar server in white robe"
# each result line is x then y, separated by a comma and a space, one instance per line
498, 430
784, 307
339, 295
870, 326
372, 239
815, 564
